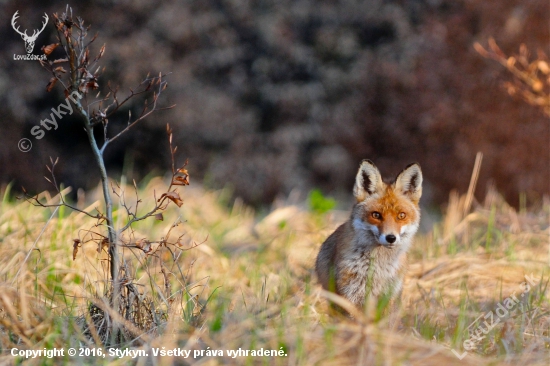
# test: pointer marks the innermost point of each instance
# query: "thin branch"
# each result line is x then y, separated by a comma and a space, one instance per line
36, 202
144, 114
180, 177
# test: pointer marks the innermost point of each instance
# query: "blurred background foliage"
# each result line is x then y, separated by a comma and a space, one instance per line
274, 96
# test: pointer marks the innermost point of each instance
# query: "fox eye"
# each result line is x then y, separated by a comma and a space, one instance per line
376, 215
401, 215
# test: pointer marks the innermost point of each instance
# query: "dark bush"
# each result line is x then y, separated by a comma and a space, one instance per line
277, 95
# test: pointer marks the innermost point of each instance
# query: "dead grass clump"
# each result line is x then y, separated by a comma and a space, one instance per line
138, 315
25, 323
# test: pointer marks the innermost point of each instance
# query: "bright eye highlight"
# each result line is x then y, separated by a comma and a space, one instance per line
401, 215
376, 215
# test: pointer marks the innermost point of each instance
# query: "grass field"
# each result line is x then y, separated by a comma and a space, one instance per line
244, 280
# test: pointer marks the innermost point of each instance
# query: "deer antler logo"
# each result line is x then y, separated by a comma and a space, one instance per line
29, 40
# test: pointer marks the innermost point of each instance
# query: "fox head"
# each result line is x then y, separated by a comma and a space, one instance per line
387, 214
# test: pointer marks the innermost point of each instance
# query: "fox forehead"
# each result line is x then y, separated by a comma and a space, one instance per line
390, 203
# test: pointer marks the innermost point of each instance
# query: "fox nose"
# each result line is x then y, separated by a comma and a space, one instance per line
390, 238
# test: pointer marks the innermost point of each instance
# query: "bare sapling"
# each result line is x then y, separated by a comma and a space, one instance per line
78, 74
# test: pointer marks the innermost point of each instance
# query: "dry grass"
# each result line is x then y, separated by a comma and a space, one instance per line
250, 285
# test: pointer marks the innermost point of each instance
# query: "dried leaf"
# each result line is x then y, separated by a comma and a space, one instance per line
51, 84
159, 217
49, 48
101, 52
104, 243
76, 244
180, 180
543, 66
479, 48
494, 47
541, 101
60, 69
85, 57
59, 60
173, 196
537, 86
144, 245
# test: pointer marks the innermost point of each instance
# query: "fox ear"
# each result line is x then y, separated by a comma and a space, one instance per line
409, 182
367, 181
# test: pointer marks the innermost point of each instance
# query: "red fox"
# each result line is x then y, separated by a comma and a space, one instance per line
367, 254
